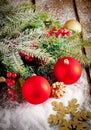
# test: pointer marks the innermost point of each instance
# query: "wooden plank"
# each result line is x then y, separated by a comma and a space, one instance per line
84, 13
16, 2
61, 10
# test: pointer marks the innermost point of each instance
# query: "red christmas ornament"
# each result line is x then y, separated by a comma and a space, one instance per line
67, 70
36, 89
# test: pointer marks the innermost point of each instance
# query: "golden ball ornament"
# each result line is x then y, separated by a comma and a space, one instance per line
73, 25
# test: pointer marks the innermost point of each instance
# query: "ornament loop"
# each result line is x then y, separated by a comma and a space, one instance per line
66, 61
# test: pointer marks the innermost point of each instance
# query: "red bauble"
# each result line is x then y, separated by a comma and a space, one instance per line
36, 89
67, 70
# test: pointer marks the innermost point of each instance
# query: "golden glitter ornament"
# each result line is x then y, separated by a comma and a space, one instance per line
58, 89
73, 25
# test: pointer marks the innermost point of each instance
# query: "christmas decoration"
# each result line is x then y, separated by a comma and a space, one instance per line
67, 70
36, 89
31, 42
77, 118
58, 32
58, 89
11, 82
73, 25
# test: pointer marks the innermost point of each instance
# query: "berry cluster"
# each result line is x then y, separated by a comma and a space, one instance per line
10, 81
58, 32
28, 58
31, 58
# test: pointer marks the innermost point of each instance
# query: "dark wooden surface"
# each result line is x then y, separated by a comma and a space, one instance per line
16, 2
84, 15
63, 10
59, 9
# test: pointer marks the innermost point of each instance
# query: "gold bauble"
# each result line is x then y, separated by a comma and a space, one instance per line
73, 25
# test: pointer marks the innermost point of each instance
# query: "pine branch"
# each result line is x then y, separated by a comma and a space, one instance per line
19, 18
12, 60
4, 2
37, 53
65, 46
10, 18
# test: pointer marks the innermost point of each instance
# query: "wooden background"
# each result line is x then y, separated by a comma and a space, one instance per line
63, 10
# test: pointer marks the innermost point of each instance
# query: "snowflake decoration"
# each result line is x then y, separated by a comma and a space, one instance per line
77, 118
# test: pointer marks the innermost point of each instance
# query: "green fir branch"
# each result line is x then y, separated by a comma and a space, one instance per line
37, 53
65, 46
19, 18
12, 60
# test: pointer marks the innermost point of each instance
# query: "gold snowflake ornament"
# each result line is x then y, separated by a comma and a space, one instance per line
78, 118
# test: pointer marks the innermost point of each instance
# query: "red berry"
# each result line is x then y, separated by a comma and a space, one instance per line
14, 75
22, 54
7, 80
49, 34
13, 82
10, 82
68, 33
35, 45
54, 29
12, 98
9, 74
62, 30
64, 34
29, 58
11, 91
58, 35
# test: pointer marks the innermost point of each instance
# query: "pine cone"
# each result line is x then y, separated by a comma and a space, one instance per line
58, 89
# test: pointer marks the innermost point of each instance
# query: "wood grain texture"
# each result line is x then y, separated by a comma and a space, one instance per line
16, 2
84, 13
61, 10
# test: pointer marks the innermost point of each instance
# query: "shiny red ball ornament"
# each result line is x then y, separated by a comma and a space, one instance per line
36, 89
67, 70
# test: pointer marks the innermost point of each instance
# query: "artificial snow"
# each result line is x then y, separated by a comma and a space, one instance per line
27, 116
